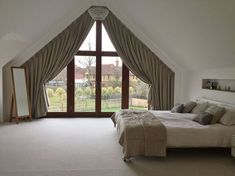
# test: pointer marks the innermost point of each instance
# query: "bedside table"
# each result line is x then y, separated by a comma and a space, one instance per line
233, 146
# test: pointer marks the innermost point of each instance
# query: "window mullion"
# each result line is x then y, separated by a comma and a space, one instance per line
98, 65
70, 87
125, 87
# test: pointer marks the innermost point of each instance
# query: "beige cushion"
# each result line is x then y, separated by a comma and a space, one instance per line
189, 106
200, 108
216, 111
228, 118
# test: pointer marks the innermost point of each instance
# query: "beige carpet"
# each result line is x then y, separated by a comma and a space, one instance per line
89, 147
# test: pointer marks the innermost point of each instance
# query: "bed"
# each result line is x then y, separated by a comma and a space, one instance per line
181, 132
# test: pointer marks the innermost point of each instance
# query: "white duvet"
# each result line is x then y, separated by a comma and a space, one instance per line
183, 132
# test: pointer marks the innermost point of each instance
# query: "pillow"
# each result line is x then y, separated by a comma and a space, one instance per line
228, 118
189, 106
203, 118
216, 111
200, 108
177, 108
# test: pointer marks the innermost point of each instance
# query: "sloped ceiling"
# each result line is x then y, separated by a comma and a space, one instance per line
196, 34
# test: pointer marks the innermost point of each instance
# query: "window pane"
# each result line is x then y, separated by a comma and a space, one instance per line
85, 76
138, 93
111, 82
106, 42
89, 43
57, 92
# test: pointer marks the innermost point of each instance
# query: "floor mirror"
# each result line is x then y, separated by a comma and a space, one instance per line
20, 106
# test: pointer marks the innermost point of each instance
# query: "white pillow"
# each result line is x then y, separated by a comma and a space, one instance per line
228, 118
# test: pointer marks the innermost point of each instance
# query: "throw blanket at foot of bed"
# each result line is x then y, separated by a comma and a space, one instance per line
140, 133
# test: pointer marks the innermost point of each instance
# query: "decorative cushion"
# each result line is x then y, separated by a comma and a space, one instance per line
200, 108
228, 118
178, 108
203, 118
216, 111
189, 106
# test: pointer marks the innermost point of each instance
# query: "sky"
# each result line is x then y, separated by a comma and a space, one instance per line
106, 46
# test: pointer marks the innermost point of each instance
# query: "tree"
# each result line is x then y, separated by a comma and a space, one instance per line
104, 92
93, 93
109, 92
78, 91
61, 93
142, 89
88, 91
50, 92
116, 83
87, 62
131, 90
117, 90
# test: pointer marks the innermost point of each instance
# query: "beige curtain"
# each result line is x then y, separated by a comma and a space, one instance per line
143, 63
53, 58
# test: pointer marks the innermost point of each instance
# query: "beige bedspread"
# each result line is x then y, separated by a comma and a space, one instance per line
140, 133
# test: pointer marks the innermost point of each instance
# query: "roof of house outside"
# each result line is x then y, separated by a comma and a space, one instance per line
79, 73
107, 69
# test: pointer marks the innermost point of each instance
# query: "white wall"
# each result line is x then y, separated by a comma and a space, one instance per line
10, 46
1, 96
193, 84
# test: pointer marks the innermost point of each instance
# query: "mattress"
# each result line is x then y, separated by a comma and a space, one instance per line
183, 132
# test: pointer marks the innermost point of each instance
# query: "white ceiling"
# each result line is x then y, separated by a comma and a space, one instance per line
196, 34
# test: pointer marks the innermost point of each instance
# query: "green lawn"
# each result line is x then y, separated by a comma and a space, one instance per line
87, 105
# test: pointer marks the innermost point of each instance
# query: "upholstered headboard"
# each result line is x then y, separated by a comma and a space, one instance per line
224, 104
